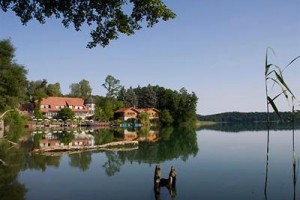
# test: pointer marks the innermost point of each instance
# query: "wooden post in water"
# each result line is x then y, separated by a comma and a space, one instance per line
157, 174
170, 183
172, 177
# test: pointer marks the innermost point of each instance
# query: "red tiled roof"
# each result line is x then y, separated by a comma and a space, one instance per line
121, 110
63, 101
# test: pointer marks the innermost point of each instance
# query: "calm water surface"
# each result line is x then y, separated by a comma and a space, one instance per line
210, 164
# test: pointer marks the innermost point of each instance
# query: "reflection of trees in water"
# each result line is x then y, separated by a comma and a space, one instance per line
41, 162
113, 163
81, 160
10, 188
66, 137
173, 144
103, 136
181, 143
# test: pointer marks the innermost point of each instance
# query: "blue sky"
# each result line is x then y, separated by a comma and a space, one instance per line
214, 48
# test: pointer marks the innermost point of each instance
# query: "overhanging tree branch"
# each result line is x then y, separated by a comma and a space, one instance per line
108, 18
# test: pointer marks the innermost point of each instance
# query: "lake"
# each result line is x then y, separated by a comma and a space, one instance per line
211, 163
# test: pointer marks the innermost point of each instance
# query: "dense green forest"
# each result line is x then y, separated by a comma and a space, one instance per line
239, 117
177, 107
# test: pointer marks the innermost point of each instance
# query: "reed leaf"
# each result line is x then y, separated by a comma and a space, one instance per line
274, 70
271, 102
267, 66
283, 92
291, 62
281, 80
283, 89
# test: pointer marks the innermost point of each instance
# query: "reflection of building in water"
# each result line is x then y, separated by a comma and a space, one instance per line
152, 136
130, 135
80, 139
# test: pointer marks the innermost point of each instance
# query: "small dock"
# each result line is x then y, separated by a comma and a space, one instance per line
112, 146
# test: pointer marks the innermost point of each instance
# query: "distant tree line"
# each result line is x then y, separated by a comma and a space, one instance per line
238, 117
250, 126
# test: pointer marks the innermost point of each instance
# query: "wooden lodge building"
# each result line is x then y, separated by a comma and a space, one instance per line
133, 113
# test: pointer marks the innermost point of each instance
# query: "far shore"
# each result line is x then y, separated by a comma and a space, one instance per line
204, 123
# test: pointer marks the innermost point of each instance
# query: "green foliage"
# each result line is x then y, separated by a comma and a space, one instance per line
105, 108
75, 90
41, 162
36, 90
128, 97
173, 144
165, 118
12, 78
16, 124
53, 90
103, 136
146, 97
113, 163
107, 18
6, 53
144, 131
112, 85
36, 140
81, 160
180, 106
108, 109
100, 115
66, 113
85, 89
66, 137
166, 132
36, 111
15, 158
251, 117
250, 126
187, 108
81, 89
119, 121
144, 119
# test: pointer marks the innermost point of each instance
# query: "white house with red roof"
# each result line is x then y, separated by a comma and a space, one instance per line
51, 106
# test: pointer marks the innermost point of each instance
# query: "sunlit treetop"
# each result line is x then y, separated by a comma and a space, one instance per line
108, 18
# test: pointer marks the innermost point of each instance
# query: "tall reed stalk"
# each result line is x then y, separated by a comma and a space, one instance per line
274, 76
